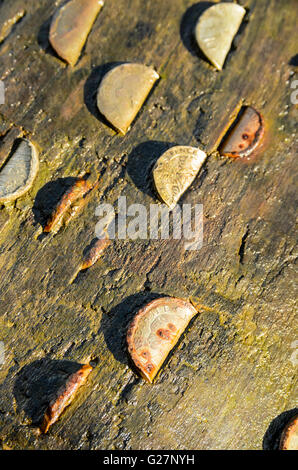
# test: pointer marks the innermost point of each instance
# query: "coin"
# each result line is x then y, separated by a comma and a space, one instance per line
122, 93
70, 27
77, 191
289, 437
216, 29
18, 173
155, 330
175, 170
65, 396
245, 135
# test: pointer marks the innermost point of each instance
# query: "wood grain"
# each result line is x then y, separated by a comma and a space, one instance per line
232, 373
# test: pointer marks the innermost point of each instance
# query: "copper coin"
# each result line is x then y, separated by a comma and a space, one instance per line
289, 437
70, 27
64, 397
155, 330
245, 135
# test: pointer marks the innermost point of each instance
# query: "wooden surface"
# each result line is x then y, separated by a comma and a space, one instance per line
233, 372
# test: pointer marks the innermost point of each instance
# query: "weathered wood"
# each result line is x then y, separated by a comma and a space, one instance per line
233, 372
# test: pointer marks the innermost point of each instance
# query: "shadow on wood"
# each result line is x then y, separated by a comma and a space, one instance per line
43, 39
47, 198
38, 383
187, 28
91, 88
139, 32
188, 24
141, 161
294, 61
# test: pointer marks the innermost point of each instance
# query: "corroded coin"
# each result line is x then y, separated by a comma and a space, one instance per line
245, 135
79, 189
216, 29
154, 332
18, 174
289, 437
64, 397
122, 93
92, 255
175, 170
70, 27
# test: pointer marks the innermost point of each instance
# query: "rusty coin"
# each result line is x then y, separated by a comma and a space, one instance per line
155, 330
245, 135
289, 437
64, 397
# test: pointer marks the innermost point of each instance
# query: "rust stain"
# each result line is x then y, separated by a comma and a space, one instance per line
146, 355
163, 333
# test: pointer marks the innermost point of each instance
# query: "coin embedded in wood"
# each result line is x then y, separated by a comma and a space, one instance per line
122, 93
216, 30
70, 27
245, 135
79, 190
289, 437
92, 255
154, 332
175, 170
18, 173
94, 252
64, 397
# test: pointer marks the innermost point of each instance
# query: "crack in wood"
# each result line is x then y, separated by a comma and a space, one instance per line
241, 250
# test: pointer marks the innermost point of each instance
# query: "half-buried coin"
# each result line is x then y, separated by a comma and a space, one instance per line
154, 332
122, 93
18, 173
289, 437
175, 170
70, 27
65, 396
245, 134
216, 30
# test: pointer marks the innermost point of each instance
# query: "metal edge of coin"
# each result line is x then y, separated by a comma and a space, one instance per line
101, 105
134, 325
31, 177
205, 16
161, 184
